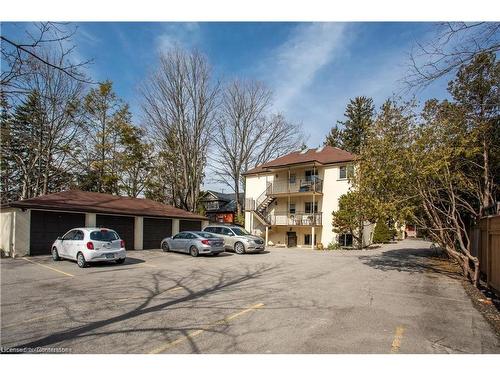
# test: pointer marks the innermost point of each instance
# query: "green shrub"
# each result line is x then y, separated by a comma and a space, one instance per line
333, 246
381, 233
240, 219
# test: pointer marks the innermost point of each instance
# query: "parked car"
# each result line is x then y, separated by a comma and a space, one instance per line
237, 238
87, 245
194, 243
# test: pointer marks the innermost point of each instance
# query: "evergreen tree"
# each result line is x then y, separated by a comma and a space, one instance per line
104, 112
7, 169
381, 233
22, 147
354, 212
476, 91
134, 158
334, 138
359, 113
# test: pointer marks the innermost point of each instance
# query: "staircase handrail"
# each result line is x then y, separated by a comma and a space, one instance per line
263, 196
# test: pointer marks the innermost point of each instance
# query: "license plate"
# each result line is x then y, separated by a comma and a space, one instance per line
110, 256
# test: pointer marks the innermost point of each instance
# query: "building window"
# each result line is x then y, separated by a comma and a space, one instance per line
292, 178
311, 175
309, 207
345, 239
307, 239
212, 205
292, 208
346, 172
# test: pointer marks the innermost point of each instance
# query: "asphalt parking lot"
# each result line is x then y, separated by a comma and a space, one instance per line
389, 300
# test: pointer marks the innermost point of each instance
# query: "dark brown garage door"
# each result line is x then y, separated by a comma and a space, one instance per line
123, 225
46, 226
155, 230
189, 225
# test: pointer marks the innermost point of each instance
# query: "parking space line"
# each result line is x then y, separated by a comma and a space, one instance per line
396, 342
170, 344
50, 268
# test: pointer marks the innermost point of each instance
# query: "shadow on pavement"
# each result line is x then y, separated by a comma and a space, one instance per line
422, 260
196, 285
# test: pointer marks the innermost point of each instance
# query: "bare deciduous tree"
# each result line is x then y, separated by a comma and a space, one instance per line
19, 55
180, 100
42, 131
61, 96
453, 45
247, 135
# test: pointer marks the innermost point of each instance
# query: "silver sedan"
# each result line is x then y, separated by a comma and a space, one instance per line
194, 243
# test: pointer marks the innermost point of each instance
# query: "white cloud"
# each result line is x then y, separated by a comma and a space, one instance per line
185, 34
293, 66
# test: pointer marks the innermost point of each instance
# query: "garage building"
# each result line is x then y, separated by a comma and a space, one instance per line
30, 226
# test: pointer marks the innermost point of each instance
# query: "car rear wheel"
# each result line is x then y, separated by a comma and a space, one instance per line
120, 261
80, 260
239, 248
193, 251
55, 254
164, 247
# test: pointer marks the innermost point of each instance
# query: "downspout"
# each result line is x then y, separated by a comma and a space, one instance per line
12, 240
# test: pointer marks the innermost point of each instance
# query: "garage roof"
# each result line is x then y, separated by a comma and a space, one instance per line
85, 201
322, 156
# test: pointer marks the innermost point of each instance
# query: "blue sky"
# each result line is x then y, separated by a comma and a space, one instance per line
312, 68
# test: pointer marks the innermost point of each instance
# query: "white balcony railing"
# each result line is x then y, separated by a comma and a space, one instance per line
295, 219
297, 186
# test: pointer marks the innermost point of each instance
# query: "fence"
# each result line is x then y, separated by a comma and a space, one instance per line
487, 248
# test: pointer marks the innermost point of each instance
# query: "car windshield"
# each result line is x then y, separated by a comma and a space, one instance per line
206, 235
240, 231
103, 235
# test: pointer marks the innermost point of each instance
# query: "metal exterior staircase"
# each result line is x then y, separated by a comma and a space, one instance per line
262, 204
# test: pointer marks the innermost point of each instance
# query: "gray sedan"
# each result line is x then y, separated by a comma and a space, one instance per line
194, 243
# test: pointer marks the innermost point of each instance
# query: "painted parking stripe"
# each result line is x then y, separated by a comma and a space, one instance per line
50, 268
182, 339
396, 342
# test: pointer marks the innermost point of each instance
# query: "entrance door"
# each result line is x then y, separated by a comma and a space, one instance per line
291, 239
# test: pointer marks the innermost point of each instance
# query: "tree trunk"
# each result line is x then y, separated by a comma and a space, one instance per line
237, 197
486, 199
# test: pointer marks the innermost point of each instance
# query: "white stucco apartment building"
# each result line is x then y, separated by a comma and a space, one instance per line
290, 200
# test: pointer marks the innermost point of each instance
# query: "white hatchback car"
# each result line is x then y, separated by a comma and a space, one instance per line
87, 245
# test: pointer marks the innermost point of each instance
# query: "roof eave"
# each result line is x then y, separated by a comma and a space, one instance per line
285, 166
76, 208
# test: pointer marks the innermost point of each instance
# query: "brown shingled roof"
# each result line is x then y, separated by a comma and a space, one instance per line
327, 155
84, 201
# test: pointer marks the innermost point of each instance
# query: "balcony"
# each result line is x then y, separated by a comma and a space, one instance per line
297, 187
211, 205
295, 219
